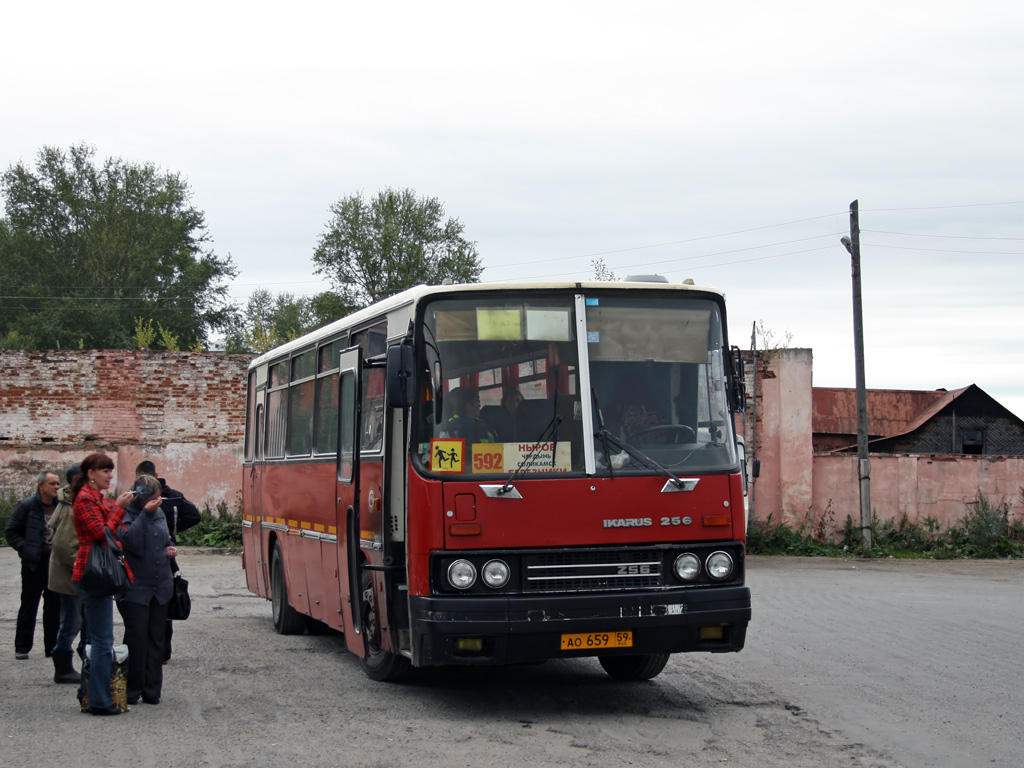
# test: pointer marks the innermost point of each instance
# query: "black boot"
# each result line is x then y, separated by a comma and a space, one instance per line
63, 669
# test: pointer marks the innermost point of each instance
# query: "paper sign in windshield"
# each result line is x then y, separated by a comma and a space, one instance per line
545, 457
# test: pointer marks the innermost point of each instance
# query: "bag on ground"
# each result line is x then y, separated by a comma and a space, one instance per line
118, 678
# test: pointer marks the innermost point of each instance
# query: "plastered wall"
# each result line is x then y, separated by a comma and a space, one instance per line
185, 411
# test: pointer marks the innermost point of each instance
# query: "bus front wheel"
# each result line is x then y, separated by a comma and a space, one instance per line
378, 664
644, 667
287, 621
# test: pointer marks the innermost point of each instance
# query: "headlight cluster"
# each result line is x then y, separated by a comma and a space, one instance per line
718, 566
462, 574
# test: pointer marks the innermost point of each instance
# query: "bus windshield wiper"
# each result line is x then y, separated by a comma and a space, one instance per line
602, 432
552, 429
643, 458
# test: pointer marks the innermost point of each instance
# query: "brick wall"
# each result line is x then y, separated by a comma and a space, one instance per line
183, 410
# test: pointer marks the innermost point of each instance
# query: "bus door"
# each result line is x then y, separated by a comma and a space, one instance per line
378, 435
257, 542
348, 496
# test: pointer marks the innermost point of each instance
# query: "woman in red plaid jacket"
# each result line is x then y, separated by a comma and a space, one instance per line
93, 515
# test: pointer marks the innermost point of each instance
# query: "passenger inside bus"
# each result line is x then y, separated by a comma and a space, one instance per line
505, 417
638, 407
465, 421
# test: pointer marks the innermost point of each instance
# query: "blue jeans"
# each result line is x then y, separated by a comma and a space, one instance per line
70, 624
98, 614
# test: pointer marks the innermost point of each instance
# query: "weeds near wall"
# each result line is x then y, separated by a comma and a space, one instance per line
221, 527
985, 531
767, 537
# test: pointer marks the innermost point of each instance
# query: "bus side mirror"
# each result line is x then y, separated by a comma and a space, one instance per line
400, 379
739, 385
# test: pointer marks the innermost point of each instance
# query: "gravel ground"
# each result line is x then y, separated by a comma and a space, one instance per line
236, 693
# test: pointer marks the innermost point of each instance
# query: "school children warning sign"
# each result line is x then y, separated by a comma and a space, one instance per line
446, 454
455, 456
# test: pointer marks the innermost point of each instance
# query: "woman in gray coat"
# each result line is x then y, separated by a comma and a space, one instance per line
147, 547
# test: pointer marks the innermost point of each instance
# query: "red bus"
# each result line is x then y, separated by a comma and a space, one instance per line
500, 473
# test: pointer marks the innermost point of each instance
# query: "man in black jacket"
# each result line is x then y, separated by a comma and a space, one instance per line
181, 515
27, 531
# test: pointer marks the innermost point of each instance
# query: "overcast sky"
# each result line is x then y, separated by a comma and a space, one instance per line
718, 141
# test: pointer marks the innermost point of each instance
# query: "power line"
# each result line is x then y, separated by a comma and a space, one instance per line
157, 299
947, 250
945, 207
674, 242
948, 237
692, 269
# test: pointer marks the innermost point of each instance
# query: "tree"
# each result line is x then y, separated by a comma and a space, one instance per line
268, 320
374, 249
602, 271
89, 251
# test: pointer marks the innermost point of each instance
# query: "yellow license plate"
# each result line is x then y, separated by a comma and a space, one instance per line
588, 640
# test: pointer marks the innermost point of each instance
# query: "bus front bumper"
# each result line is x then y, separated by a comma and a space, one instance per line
499, 630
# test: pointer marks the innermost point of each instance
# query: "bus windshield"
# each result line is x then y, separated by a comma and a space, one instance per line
508, 383
657, 374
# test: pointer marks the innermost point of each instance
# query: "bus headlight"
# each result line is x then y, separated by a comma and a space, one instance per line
495, 574
719, 565
462, 574
687, 567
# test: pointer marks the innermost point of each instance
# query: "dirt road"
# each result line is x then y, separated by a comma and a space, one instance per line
848, 663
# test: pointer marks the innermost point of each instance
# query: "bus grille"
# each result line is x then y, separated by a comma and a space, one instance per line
591, 571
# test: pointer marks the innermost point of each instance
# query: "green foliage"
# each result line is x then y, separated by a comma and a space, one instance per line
168, 340
219, 528
86, 248
145, 334
13, 340
985, 531
765, 537
902, 536
374, 249
268, 320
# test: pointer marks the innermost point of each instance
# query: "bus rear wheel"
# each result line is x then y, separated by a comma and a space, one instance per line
287, 621
382, 666
644, 667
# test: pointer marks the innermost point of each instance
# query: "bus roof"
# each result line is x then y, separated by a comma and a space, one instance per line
416, 293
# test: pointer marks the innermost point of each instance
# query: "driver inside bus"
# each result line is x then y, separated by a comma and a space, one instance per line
465, 421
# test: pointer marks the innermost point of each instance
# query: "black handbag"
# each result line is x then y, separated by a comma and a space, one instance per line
181, 604
105, 570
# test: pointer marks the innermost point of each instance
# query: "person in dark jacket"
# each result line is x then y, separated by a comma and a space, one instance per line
147, 547
505, 420
465, 421
28, 533
181, 514
62, 566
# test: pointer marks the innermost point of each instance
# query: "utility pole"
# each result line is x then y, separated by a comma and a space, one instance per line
753, 426
852, 244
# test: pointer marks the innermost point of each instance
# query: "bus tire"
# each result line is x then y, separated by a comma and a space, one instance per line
287, 621
379, 665
644, 667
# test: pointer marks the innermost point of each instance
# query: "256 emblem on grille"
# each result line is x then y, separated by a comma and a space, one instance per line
635, 569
